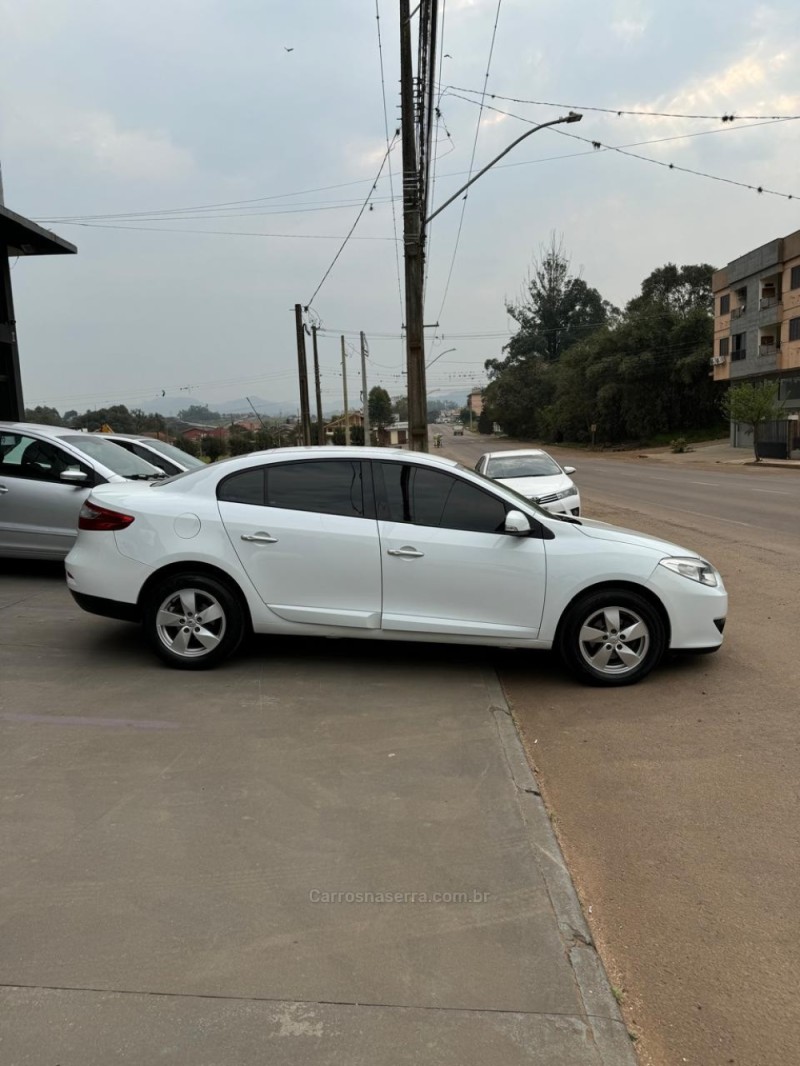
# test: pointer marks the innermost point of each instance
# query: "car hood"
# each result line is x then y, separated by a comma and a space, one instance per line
533, 487
590, 527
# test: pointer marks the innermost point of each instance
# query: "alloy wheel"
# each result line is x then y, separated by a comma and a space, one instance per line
614, 640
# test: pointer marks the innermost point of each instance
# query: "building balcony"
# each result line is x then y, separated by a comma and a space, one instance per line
738, 355
738, 312
769, 301
768, 350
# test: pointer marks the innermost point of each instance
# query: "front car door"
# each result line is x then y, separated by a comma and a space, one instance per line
306, 535
38, 511
448, 565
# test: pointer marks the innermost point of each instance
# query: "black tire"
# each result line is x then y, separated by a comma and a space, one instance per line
631, 638
198, 638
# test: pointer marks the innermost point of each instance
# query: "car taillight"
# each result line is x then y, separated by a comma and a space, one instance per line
93, 516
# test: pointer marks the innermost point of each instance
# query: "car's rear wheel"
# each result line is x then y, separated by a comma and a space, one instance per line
194, 621
612, 637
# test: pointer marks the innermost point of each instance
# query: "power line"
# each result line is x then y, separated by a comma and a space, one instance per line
439, 125
620, 111
357, 219
225, 233
623, 149
471, 162
391, 173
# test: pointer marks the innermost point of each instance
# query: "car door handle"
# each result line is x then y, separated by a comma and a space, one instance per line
406, 552
3, 488
260, 538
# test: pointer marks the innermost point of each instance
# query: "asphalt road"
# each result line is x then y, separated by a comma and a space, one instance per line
676, 800
756, 499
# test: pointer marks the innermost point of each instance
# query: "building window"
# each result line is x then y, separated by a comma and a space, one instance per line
725, 304
739, 350
724, 346
789, 389
794, 329
794, 282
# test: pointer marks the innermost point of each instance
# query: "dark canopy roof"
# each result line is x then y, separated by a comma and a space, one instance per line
23, 237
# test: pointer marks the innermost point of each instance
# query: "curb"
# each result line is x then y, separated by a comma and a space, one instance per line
602, 1013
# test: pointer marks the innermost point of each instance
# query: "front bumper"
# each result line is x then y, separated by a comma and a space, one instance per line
697, 613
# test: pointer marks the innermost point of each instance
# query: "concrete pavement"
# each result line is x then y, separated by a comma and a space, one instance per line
239, 866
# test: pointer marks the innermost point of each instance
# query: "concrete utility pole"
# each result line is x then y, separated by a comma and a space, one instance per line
302, 368
364, 392
344, 389
320, 427
412, 241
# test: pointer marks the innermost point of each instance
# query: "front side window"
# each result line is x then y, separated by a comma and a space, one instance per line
332, 486
426, 497
36, 460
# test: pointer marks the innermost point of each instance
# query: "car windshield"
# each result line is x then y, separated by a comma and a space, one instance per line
508, 491
191, 462
508, 466
114, 458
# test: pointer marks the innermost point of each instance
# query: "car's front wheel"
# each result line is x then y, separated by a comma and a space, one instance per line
612, 637
194, 621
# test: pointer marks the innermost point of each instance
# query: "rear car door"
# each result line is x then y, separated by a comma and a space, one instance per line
448, 565
306, 535
38, 511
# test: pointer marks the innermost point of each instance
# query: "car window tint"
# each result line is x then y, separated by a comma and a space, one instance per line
327, 487
244, 487
470, 508
432, 498
160, 461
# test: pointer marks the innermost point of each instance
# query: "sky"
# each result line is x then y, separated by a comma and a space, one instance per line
148, 113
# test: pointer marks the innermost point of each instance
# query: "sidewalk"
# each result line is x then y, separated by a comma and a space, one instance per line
234, 867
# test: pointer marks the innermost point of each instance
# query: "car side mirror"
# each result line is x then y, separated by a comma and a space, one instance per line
569, 469
74, 477
517, 524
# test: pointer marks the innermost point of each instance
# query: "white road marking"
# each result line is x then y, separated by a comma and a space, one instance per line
775, 492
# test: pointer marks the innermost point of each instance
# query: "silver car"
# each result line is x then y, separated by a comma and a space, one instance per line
158, 452
46, 472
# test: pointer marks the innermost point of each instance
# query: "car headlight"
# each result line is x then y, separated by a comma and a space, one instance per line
694, 569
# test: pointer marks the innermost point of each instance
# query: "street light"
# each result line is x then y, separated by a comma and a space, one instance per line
439, 356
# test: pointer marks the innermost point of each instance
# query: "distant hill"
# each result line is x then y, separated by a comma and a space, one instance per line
171, 405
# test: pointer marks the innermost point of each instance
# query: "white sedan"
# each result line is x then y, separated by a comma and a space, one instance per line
535, 475
384, 545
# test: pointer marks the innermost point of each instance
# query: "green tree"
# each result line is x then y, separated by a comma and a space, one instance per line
117, 416
199, 412
186, 444
557, 309
752, 404
240, 440
44, 416
485, 422
380, 407
212, 447
400, 408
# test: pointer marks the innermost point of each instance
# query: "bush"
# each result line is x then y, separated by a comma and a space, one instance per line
680, 445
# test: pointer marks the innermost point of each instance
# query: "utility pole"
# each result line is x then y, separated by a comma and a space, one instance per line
344, 389
364, 387
302, 368
320, 427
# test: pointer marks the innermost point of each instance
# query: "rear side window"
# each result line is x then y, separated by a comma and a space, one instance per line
325, 486
245, 487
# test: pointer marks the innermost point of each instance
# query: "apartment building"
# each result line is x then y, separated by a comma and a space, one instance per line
757, 327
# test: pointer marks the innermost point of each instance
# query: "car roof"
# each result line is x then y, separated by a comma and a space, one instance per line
516, 452
340, 451
45, 431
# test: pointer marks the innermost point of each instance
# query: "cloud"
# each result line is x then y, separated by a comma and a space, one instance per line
629, 29
99, 142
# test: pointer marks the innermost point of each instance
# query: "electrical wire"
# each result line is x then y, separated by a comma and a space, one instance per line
623, 149
619, 111
355, 223
439, 125
224, 232
471, 163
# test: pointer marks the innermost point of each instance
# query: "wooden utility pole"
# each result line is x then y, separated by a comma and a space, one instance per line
320, 426
412, 246
344, 389
364, 392
302, 373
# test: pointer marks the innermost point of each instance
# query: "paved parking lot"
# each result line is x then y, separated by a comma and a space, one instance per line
183, 854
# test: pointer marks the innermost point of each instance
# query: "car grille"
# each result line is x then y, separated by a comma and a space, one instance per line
546, 499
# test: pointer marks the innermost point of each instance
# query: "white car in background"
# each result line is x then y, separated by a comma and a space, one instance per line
536, 475
159, 453
383, 545
46, 473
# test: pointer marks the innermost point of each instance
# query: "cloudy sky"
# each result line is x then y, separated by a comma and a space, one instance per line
148, 113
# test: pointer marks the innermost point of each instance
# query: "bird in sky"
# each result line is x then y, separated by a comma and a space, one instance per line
287, 49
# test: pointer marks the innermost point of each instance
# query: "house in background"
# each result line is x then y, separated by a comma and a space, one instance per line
475, 402
757, 334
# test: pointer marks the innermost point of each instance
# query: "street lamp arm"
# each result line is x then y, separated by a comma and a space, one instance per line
571, 117
439, 356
